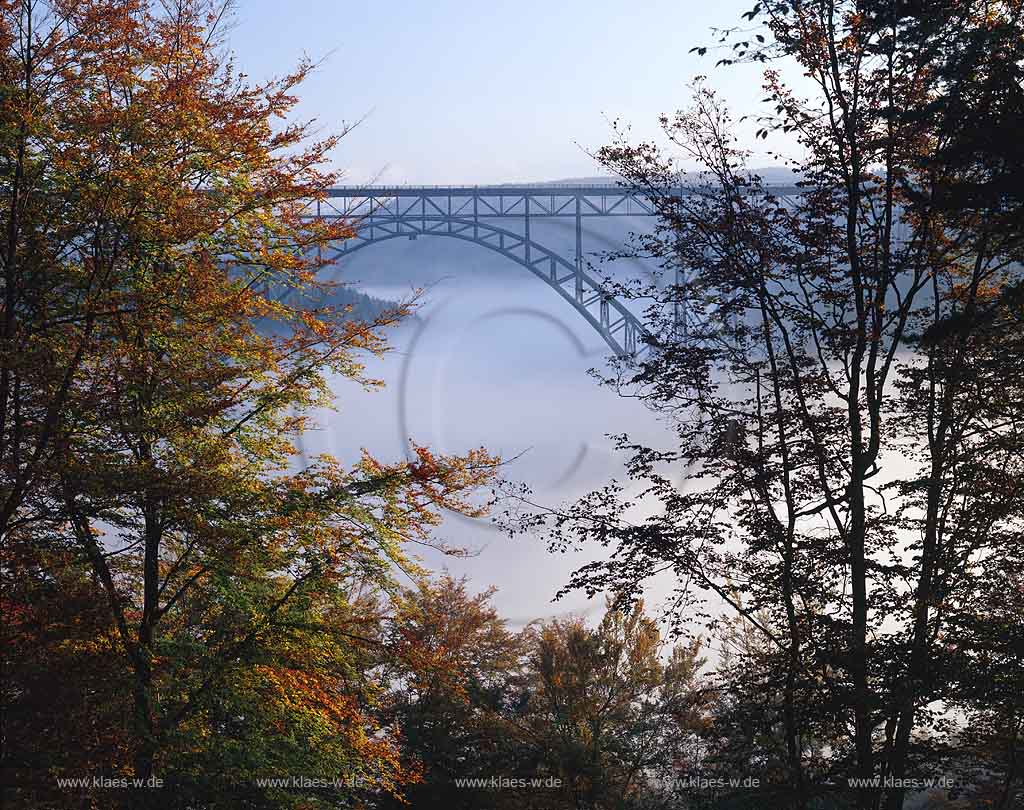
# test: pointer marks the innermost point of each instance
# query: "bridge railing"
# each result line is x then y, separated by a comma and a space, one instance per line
547, 188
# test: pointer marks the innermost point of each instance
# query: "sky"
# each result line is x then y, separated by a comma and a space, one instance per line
464, 91
459, 92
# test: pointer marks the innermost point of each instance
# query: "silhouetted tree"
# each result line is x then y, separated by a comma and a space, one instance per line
843, 373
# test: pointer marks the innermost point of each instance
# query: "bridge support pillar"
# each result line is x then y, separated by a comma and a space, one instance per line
579, 249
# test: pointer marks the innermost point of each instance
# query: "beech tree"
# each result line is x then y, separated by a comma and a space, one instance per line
842, 370
457, 684
560, 715
63, 683
154, 203
612, 709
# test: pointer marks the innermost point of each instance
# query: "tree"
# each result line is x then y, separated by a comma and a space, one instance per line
457, 684
561, 715
612, 708
987, 640
63, 683
154, 211
302, 701
848, 421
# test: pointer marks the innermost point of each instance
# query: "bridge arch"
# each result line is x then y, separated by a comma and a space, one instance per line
620, 329
472, 214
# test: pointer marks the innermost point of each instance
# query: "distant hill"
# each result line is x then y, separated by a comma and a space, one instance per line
364, 307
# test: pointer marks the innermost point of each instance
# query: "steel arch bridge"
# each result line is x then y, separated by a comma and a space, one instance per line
499, 218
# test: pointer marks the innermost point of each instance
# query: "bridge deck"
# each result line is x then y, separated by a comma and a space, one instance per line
498, 218
558, 190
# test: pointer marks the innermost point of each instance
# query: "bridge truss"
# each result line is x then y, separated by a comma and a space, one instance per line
499, 218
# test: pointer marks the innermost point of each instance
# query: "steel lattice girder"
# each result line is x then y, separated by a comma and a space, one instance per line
380, 213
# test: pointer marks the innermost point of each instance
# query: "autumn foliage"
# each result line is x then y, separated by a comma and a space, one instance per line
163, 339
